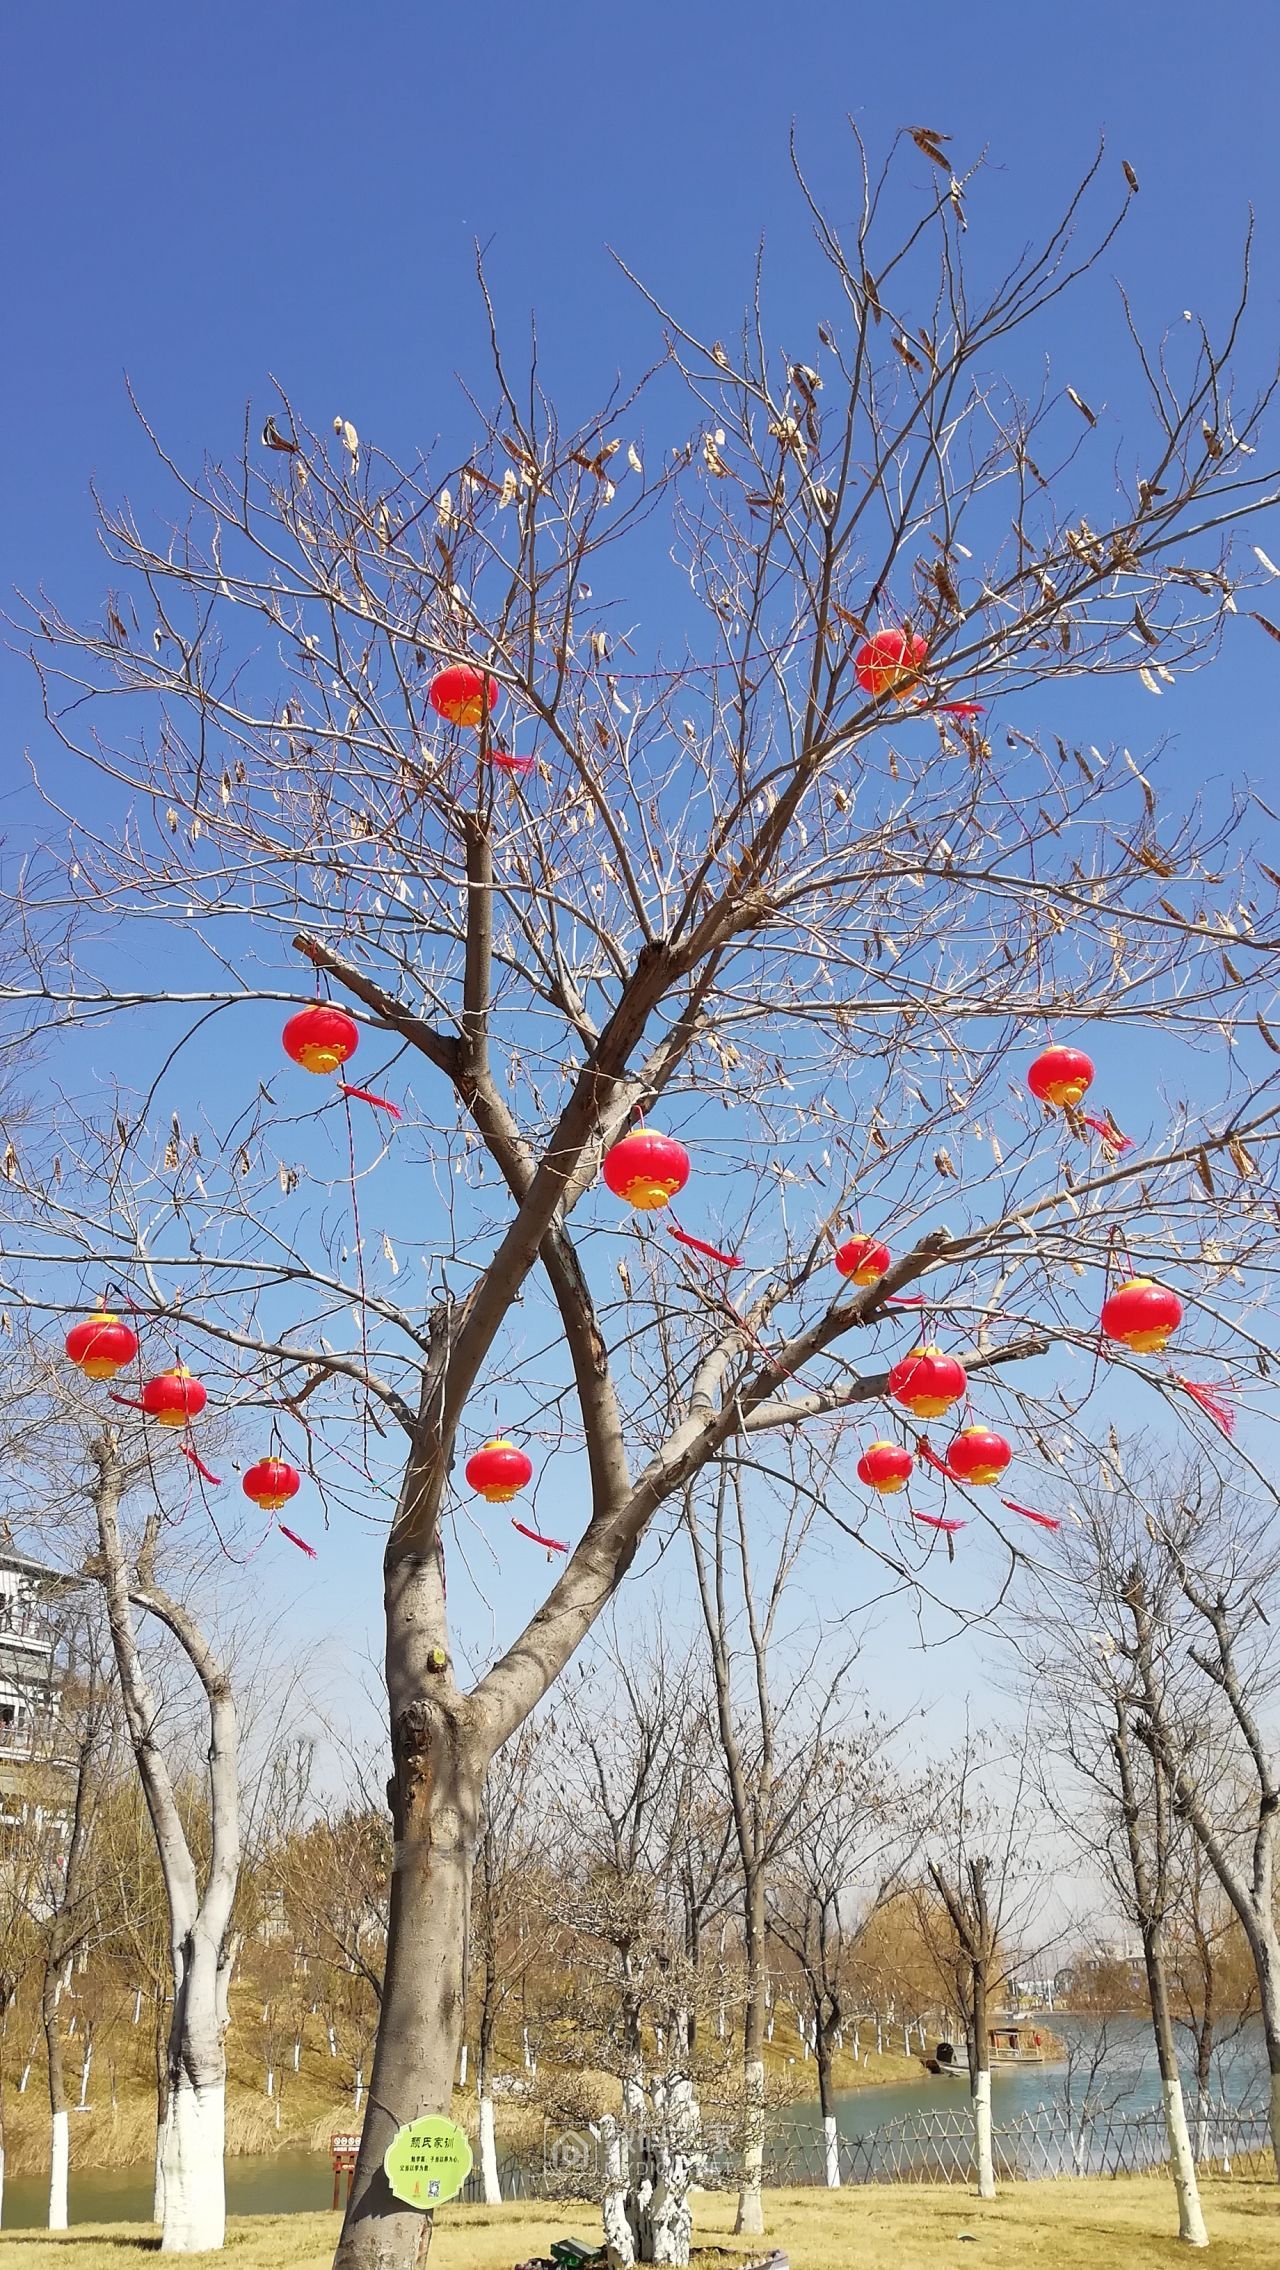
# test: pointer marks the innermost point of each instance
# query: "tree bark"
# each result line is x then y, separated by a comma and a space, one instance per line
59, 2140
750, 2216
439, 1758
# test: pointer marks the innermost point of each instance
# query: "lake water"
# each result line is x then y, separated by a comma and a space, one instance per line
284, 2183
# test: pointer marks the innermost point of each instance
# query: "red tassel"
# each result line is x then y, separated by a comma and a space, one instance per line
130, 1402
1111, 1136
362, 1095
1211, 1403
552, 1544
931, 1458
712, 1252
506, 763
199, 1465
960, 708
300, 1542
904, 1300
939, 1521
1029, 1513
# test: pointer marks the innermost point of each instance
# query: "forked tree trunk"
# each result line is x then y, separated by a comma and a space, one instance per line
190, 2199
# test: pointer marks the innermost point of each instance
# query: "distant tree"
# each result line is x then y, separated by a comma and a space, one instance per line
846, 1859
974, 1899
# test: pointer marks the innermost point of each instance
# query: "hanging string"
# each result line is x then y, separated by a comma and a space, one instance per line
1211, 1402
199, 1465
1028, 1512
696, 1245
553, 1544
362, 1095
1115, 1142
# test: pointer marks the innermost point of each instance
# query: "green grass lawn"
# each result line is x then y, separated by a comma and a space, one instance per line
1100, 2225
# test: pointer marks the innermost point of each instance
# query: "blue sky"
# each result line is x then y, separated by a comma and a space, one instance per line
198, 196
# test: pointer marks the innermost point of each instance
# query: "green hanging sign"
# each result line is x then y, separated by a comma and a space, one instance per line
428, 2161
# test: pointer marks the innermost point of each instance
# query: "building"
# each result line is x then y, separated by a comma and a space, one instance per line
33, 1778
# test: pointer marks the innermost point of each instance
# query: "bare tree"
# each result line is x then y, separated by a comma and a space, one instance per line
631, 1733
1091, 1660
202, 1945
753, 863
771, 1767
971, 1907
1226, 1787
844, 1861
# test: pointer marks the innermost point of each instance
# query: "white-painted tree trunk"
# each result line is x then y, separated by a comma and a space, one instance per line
750, 2217
982, 2136
618, 2236
195, 2212
1190, 2217
59, 2165
84, 2076
359, 2087
490, 2188
831, 2144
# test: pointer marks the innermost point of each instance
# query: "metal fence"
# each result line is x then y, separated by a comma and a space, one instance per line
937, 2147
932, 2147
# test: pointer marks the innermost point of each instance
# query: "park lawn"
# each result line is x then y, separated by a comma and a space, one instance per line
1101, 2225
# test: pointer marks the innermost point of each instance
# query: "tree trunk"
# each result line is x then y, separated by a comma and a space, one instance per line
1266, 1955
490, 2187
619, 2238
438, 1768
750, 2215
1191, 2228
980, 2086
827, 2099
59, 2139
192, 2136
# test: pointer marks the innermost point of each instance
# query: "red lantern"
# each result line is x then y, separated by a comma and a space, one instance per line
320, 1038
978, 1456
1060, 1076
1142, 1314
890, 663
862, 1259
271, 1483
101, 1345
927, 1382
647, 1169
885, 1467
498, 1470
173, 1397
461, 693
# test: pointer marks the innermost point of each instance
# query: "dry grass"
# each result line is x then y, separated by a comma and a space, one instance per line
1101, 2225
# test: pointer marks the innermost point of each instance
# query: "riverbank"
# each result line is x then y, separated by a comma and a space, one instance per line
118, 2132
1126, 2224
